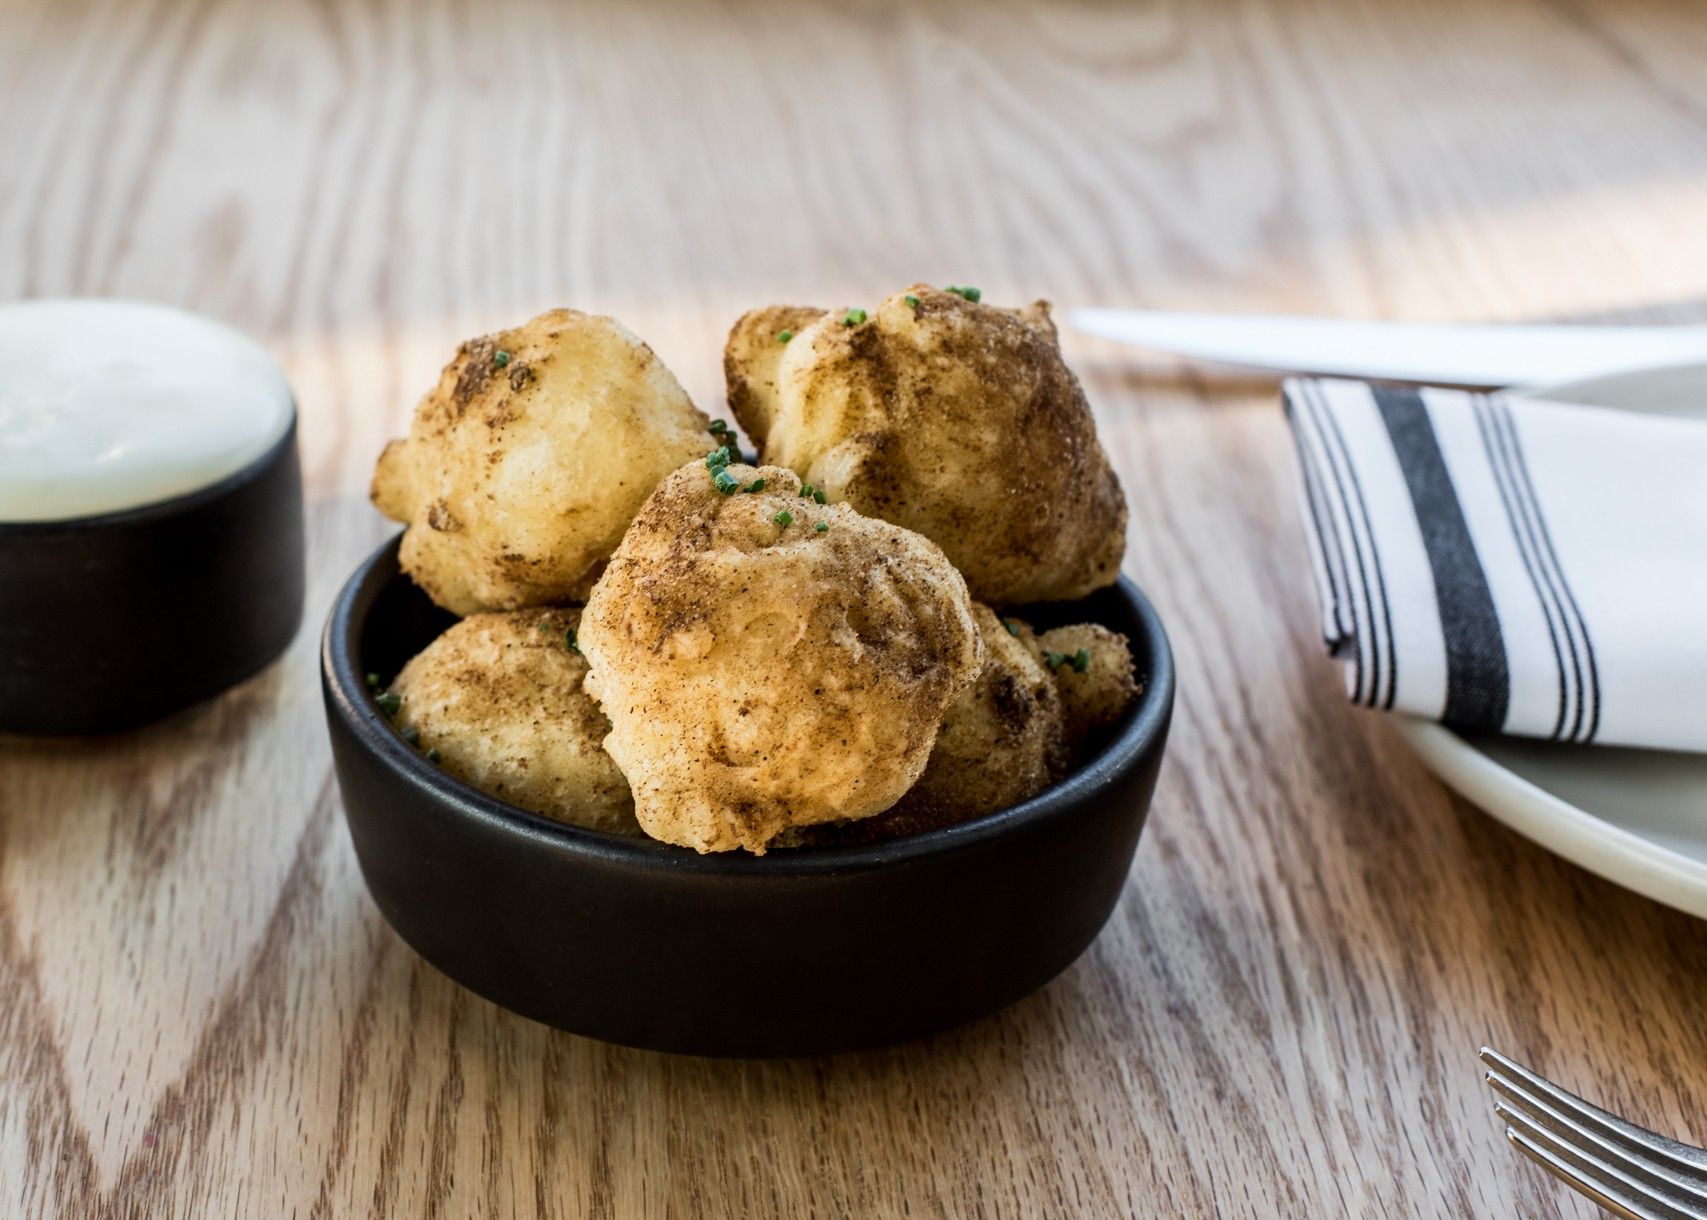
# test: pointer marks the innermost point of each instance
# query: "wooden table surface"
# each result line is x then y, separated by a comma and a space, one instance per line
201, 1012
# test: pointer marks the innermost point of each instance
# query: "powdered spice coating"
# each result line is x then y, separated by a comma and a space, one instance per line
953, 418
525, 463
762, 674
500, 698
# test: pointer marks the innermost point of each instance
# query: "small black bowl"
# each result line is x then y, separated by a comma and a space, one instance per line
791, 953
115, 620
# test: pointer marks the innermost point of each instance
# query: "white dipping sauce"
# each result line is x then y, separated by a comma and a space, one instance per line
111, 405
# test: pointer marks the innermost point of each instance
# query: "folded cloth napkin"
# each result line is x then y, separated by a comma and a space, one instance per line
1507, 564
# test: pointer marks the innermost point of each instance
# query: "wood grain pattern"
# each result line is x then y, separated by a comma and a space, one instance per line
201, 1014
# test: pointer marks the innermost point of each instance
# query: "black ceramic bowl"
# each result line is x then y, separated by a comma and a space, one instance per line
790, 953
118, 619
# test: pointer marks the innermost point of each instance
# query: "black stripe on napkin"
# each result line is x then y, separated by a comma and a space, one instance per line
1333, 572
1333, 547
1478, 676
1529, 550
1520, 464
1343, 476
1388, 652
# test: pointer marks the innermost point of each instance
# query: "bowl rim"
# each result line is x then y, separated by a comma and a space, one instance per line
178, 502
347, 698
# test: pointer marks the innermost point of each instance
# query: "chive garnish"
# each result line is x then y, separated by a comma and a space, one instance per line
806, 491
912, 301
412, 735
755, 485
853, 317
818, 495
433, 755
784, 335
372, 681
822, 526
1013, 626
388, 703
718, 458
569, 641
1080, 660
971, 294
500, 358
784, 518
724, 481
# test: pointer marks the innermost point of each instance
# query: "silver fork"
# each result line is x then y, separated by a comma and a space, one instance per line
1628, 1171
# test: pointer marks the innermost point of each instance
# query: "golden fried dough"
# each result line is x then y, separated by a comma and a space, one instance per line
1093, 671
499, 697
762, 673
1032, 715
952, 418
1001, 743
750, 359
525, 463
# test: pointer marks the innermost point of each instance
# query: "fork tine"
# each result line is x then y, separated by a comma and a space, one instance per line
1617, 1204
1589, 1168
1689, 1163
1661, 1176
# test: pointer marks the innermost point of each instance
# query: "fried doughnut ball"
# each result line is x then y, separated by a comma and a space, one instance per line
1093, 671
761, 672
951, 418
1028, 720
1001, 742
525, 463
751, 357
500, 698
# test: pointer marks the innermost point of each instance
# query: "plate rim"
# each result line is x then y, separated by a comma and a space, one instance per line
1586, 839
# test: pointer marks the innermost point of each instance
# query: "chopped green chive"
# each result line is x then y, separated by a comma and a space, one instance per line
1080, 660
433, 755
853, 317
818, 495
569, 641
724, 481
822, 526
1013, 626
388, 703
912, 301
971, 294
755, 485
372, 681
784, 518
720, 457
784, 335
806, 491
720, 425
500, 358
412, 735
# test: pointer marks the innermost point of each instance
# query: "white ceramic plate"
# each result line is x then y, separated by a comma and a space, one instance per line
1636, 817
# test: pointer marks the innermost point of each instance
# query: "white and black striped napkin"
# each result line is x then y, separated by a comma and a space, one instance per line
1510, 565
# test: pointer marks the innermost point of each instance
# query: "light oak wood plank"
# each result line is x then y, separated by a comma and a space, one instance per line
202, 1014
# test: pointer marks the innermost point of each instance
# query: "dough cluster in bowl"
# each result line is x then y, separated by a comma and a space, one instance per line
525, 463
948, 416
803, 652
499, 701
761, 672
